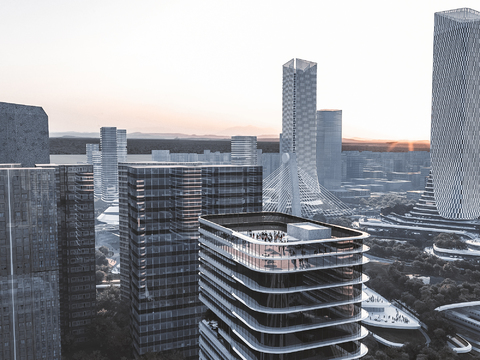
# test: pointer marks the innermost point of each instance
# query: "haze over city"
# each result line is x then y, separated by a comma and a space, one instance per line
204, 67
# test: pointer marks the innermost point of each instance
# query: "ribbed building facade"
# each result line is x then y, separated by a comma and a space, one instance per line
299, 108
108, 145
244, 150
29, 271
159, 254
89, 149
455, 132
121, 145
329, 148
280, 287
97, 173
425, 215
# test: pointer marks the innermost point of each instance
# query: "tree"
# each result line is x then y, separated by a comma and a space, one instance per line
99, 276
104, 250
100, 259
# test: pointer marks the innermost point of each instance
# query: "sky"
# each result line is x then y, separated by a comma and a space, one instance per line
205, 67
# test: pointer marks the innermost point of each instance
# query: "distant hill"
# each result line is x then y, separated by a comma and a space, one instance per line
76, 145
140, 135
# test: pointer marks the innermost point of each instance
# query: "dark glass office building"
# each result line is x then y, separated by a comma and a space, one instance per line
280, 287
164, 203
76, 249
30, 311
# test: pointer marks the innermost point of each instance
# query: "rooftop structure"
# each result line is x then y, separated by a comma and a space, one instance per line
280, 287
23, 135
382, 313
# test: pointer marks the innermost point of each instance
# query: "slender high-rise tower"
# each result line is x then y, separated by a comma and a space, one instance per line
299, 107
455, 133
108, 144
329, 148
294, 188
121, 145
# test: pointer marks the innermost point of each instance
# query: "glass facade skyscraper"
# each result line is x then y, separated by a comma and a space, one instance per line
455, 132
162, 204
280, 287
76, 249
329, 148
29, 271
299, 108
121, 145
244, 150
90, 148
108, 146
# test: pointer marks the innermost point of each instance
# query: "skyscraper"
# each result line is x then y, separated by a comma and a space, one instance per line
455, 132
30, 320
280, 287
244, 150
89, 149
97, 173
108, 145
76, 250
299, 107
23, 135
164, 202
121, 145
294, 188
329, 148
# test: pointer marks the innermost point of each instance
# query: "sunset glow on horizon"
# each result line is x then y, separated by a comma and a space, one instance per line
205, 67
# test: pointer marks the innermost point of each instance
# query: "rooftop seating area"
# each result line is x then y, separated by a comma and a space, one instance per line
383, 314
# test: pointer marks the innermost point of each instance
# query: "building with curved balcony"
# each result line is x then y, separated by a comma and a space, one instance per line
280, 287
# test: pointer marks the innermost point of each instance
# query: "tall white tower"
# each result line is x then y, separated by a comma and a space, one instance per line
455, 132
329, 148
299, 107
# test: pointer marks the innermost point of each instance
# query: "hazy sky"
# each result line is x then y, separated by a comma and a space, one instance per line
200, 67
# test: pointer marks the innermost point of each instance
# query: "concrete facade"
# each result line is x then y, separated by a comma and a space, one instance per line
24, 135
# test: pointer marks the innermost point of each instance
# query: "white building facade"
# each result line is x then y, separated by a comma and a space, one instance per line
299, 108
455, 132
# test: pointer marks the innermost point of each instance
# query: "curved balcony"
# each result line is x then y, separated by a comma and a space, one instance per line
279, 250
255, 306
342, 354
254, 325
253, 285
290, 263
251, 342
248, 339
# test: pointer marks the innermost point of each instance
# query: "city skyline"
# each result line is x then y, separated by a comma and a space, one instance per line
202, 68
